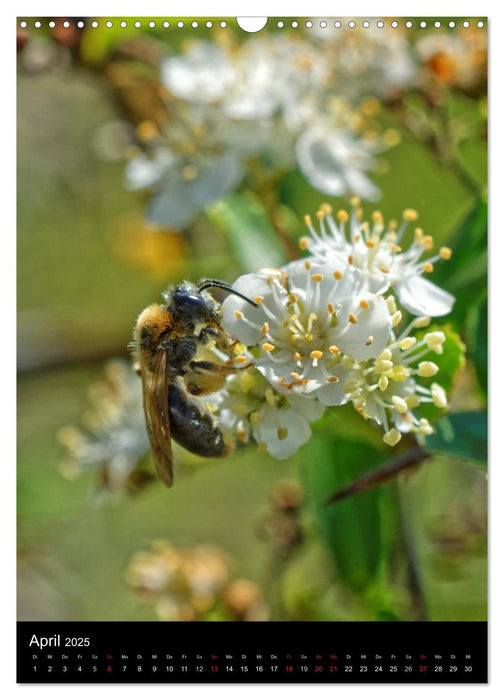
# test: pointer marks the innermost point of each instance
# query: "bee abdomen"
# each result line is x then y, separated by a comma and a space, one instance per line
192, 428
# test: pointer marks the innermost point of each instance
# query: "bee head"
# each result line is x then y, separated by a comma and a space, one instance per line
189, 303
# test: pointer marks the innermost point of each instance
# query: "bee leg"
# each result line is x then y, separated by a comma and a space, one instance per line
206, 377
206, 333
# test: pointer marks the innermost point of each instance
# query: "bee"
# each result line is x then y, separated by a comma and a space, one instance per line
165, 343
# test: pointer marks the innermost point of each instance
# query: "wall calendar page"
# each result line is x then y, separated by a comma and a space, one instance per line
252, 350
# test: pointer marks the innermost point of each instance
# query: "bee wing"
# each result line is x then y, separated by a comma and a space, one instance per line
155, 386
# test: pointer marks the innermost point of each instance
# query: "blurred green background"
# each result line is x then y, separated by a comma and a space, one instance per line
88, 264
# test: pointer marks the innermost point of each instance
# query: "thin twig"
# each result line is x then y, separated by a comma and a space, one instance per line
380, 476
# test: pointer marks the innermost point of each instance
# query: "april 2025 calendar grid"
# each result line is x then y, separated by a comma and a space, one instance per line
252, 349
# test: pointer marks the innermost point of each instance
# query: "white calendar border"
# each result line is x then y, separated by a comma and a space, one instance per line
7, 282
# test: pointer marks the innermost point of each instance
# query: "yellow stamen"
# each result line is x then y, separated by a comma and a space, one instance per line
258, 300
316, 354
370, 244
350, 259
241, 359
396, 318
326, 208
352, 318
307, 265
282, 433
428, 267
307, 220
297, 357
303, 243
331, 308
296, 376
385, 270
410, 215
317, 277
392, 437
412, 401
399, 404
369, 340
264, 327
342, 215
377, 217
391, 138
364, 304
147, 130
355, 201
332, 379
268, 347
445, 253
334, 350
337, 275
239, 314
270, 397
427, 369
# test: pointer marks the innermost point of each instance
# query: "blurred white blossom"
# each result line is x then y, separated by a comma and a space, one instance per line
114, 437
276, 97
191, 583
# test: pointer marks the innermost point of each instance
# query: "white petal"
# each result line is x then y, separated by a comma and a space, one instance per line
272, 419
172, 206
332, 393
320, 167
372, 322
216, 178
423, 298
202, 75
311, 410
142, 171
334, 162
252, 285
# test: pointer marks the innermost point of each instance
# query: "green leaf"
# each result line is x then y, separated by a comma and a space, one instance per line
449, 363
250, 235
466, 273
480, 346
461, 435
350, 528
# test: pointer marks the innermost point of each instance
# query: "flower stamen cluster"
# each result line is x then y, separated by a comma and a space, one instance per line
326, 330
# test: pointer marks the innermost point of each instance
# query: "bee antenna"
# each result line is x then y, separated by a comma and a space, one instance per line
206, 284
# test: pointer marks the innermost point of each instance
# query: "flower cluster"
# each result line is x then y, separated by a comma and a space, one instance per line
279, 98
457, 58
115, 436
193, 584
327, 331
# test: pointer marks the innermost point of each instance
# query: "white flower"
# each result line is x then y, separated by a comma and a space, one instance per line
334, 161
202, 74
307, 322
453, 58
116, 436
249, 407
182, 187
374, 250
367, 61
385, 389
